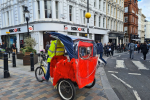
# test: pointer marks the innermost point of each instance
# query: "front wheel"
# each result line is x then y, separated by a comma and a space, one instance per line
39, 73
91, 85
66, 89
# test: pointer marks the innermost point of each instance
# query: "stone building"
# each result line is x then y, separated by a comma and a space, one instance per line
115, 23
131, 20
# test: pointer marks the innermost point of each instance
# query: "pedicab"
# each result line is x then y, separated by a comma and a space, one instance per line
77, 68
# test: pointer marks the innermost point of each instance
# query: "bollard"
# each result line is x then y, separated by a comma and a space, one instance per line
6, 71
14, 59
32, 61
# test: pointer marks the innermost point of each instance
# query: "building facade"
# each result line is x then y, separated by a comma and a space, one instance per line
64, 16
114, 22
131, 20
141, 22
147, 31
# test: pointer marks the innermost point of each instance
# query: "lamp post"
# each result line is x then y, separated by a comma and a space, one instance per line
27, 16
87, 15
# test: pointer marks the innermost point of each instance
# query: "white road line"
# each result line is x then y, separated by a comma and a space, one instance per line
122, 81
120, 64
139, 65
136, 95
134, 73
112, 72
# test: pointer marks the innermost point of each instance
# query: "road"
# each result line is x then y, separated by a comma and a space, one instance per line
130, 79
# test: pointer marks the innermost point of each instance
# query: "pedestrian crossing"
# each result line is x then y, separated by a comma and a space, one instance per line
121, 64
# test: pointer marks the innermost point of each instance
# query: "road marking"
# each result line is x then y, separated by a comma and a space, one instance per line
122, 81
136, 95
134, 73
124, 58
139, 65
112, 72
120, 64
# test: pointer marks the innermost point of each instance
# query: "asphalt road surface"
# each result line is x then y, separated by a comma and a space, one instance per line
130, 79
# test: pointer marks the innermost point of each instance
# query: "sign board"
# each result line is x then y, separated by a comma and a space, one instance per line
15, 30
31, 28
7, 32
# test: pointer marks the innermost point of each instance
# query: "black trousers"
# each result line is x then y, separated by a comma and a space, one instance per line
144, 55
112, 53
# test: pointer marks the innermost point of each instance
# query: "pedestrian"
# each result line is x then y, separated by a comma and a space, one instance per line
47, 46
100, 51
138, 47
105, 49
122, 47
13, 47
3, 46
131, 49
144, 50
0, 45
112, 49
108, 49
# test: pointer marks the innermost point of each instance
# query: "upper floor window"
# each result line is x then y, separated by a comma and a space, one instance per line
103, 6
126, 19
8, 18
99, 21
126, 9
38, 9
94, 3
114, 12
48, 8
84, 19
94, 20
103, 22
111, 9
108, 8
57, 11
70, 13
108, 24
125, 29
23, 8
99, 4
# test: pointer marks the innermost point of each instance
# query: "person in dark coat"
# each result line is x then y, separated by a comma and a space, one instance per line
108, 49
122, 47
47, 46
3, 46
0, 45
112, 49
100, 51
144, 50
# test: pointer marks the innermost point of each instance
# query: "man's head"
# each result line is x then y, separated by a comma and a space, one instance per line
98, 41
2, 42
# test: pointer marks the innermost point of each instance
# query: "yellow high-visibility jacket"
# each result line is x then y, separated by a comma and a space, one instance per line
59, 49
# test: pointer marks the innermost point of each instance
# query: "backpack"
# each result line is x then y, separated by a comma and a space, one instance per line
138, 45
132, 46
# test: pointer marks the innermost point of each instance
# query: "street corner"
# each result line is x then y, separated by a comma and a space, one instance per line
26, 87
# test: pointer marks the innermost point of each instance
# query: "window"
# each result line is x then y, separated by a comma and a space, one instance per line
81, 16
99, 21
24, 18
133, 19
108, 24
114, 25
114, 12
57, 12
103, 6
111, 10
72, 33
111, 24
94, 3
108, 8
126, 9
99, 4
8, 18
94, 20
48, 10
70, 13
38, 9
103, 22
84, 19
126, 19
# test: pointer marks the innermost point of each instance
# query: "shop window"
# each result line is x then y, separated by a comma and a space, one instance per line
70, 13
126, 19
104, 6
48, 8
99, 4
72, 33
83, 34
94, 20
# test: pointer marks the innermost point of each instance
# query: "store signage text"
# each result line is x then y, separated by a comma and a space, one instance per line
31, 28
77, 28
15, 30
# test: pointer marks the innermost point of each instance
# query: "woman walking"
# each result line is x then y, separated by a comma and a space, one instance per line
144, 50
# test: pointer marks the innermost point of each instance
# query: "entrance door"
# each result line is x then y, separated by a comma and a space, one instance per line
97, 37
46, 39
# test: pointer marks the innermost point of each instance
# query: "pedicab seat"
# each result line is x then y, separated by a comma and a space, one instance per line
54, 61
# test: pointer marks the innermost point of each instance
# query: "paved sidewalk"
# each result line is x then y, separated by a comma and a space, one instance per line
22, 85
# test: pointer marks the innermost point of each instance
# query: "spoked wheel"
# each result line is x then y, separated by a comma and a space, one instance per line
91, 85
66, 89
39, 73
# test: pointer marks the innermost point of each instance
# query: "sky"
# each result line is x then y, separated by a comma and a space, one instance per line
145, 6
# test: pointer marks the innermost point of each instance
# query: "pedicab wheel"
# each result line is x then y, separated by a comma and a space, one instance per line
66, 89
39, 73
91, 85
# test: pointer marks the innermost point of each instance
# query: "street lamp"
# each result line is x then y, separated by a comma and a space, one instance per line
88, 15
27, 16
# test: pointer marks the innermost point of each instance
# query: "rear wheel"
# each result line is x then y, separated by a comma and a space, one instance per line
91, 84
39, 73
66, 89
